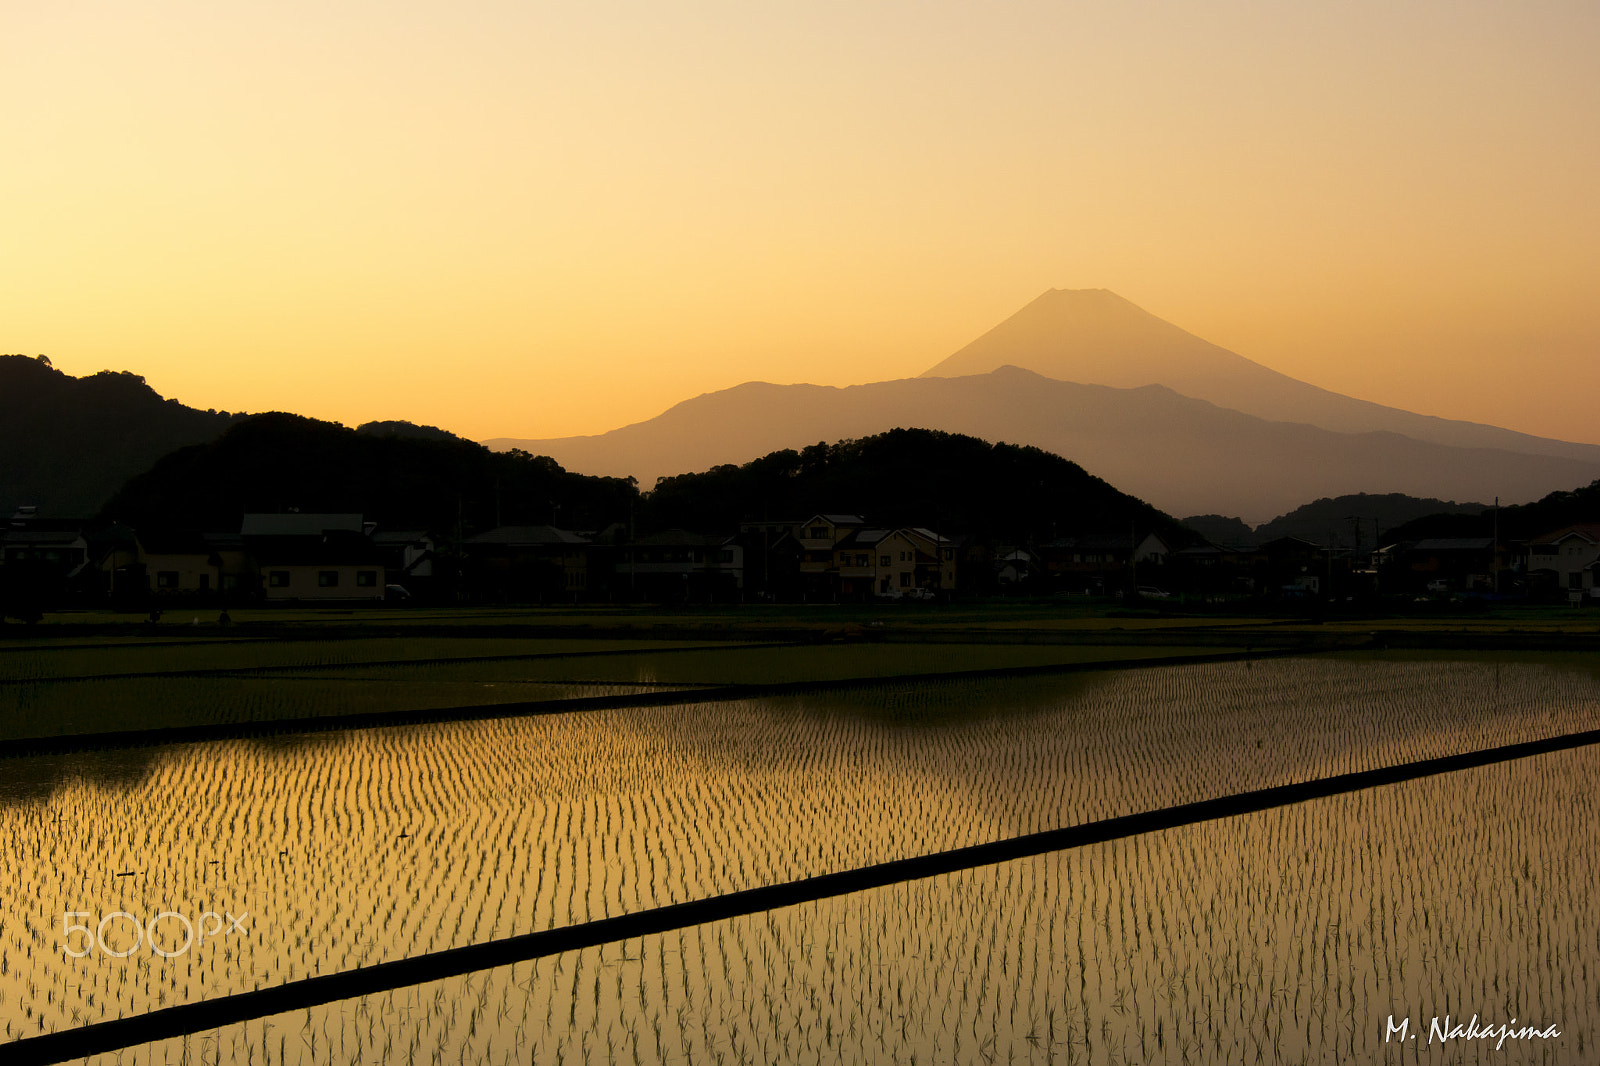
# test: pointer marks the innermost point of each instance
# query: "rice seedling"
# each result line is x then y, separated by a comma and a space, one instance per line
1284, 934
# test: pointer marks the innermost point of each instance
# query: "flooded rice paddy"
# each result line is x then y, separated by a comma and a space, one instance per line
50, 692
1289, 935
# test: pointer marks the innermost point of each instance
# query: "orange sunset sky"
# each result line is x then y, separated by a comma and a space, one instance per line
535, 219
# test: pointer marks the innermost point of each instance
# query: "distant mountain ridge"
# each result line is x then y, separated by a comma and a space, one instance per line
1183, 423
1183, 455
1095, 337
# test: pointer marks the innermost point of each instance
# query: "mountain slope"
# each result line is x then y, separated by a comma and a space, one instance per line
1096, 337
277, 462
67, 443
1183, 455
912, 477
1356, 521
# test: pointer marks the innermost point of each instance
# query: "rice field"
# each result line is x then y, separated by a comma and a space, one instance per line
53, 692
21, 662
1278, 937
1277, 934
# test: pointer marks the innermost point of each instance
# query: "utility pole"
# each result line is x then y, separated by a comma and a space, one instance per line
1494, 564
1133, 562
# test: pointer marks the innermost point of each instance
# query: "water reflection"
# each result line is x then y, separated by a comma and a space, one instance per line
375, 844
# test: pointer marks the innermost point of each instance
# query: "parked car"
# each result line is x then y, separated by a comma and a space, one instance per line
1153, 593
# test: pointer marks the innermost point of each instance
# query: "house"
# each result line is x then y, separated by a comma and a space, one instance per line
313, 557
1453, 564
529, 564
295, 524
679, 566
238, 574
1103, 564
176, 565
45, 562
62, 552
936, 559
772, 556
817, 538
1208, 569
407, 557
867, 562
819, 534
1562, 562
339, 565
1289, 566
1012, 565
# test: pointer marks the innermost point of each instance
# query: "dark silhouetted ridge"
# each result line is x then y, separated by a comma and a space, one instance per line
950, 482
67, 443
280, 462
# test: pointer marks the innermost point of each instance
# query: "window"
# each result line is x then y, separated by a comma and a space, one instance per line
905, 580
366, 579
727, 555
1575, 579
327, 579
883, 560
166, 579
817, 533
949, 553
278, 579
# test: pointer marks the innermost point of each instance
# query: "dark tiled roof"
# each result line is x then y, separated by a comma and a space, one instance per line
1589, 531
41, 536
1287, 544
297, 525
174, 542
681, 538
1092, 544
527, 537
399, 537
335, 548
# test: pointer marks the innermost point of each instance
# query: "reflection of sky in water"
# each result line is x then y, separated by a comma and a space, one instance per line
354, 847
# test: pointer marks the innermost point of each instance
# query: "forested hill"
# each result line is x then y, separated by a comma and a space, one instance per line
1354, 521
949, 482
277, 462
67, 443
1519, 522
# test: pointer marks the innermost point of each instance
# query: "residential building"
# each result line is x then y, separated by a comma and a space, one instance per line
178, 565
1103, 564
1562, 563
679, 566
313, 557
529, 564
1453, 564
407, 557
